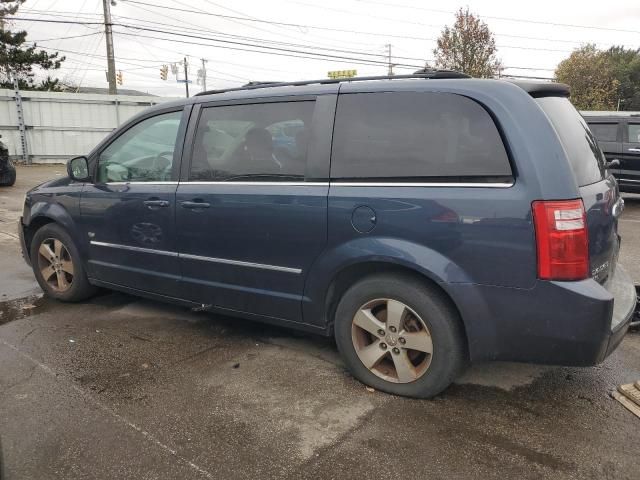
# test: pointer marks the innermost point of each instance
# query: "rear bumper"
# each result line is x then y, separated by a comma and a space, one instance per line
561, 323
624, 307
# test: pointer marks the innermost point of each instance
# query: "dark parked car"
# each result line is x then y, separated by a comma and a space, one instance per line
7, 169
428, 221
618, 135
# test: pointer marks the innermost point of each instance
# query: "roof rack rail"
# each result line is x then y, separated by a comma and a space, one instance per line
434, 74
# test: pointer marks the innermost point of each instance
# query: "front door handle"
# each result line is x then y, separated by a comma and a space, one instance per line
634, 150
194, 205
153, 204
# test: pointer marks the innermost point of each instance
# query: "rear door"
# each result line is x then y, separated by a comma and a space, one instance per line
630, 158
252, 203
598, 189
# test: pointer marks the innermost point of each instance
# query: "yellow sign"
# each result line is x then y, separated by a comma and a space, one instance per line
342, 73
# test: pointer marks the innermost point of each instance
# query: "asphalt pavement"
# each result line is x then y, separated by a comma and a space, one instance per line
119, 387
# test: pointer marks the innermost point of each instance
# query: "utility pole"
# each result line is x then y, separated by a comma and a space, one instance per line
111, 62
186, 76
204, 74
390, 69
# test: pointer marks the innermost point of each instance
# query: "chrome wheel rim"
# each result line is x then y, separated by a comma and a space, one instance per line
55, 264
391, 340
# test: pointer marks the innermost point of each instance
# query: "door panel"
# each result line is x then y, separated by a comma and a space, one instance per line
131, 243
251, 249
251, 214
128, 214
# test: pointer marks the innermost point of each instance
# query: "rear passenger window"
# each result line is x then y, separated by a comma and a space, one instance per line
406, 135
634, 132
605, 132
257, 142
585, 156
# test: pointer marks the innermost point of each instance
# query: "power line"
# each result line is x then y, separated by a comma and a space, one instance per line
120, 59
275, 42
301, 26
510, 19
273, 22
66, 38
359, 52
318, 27
287, 52
308, 54
95, 50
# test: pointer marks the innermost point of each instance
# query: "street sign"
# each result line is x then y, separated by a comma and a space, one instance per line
184, 81
342, 73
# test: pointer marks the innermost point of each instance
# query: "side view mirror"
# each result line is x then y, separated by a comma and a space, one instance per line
78, 169
613, 163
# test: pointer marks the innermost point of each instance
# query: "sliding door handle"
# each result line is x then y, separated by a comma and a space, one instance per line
152, 204
194, 205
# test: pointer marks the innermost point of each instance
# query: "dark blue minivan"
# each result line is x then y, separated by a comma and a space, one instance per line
425, 221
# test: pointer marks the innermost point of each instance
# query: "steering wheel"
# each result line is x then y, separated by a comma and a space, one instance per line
104, 169
167, 158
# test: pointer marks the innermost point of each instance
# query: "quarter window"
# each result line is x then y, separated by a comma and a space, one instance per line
257, 142
144, 153
634, 132
406, 135
605, 132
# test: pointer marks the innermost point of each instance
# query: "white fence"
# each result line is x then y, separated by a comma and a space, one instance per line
63, 125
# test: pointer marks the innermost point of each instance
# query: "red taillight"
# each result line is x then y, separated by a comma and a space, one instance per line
562, 240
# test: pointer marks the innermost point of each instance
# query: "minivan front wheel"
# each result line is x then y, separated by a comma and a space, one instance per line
57, 265
399, 336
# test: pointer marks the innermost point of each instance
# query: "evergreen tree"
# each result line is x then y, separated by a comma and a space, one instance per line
21, 61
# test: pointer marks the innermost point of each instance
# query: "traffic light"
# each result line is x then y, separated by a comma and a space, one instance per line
164, 71
119, 77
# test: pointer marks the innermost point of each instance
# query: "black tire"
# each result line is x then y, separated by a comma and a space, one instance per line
449, 357
79, 287
9, 177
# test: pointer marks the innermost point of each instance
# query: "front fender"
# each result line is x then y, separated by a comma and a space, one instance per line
60, 210
392, 251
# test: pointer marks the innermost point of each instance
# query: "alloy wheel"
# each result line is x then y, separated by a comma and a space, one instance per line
55, 264
391, 340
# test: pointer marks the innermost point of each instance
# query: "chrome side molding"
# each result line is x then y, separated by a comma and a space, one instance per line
187, 256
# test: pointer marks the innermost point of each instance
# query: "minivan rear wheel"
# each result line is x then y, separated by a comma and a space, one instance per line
400, 336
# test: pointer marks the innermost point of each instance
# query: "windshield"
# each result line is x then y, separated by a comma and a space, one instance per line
581, 146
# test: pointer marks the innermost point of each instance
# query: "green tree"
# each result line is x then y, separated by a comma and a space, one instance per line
590, 74
21, 61
626, 67
468, 47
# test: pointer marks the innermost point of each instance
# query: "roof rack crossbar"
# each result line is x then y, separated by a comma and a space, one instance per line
435, 74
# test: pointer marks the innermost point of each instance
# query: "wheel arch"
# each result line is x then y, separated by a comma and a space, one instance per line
355, 272
42, 214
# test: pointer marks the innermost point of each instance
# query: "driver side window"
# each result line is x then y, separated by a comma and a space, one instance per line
144, 153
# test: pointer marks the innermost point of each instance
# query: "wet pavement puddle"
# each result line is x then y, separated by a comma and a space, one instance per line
19, 308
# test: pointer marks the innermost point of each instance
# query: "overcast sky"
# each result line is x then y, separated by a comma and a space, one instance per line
532, 37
